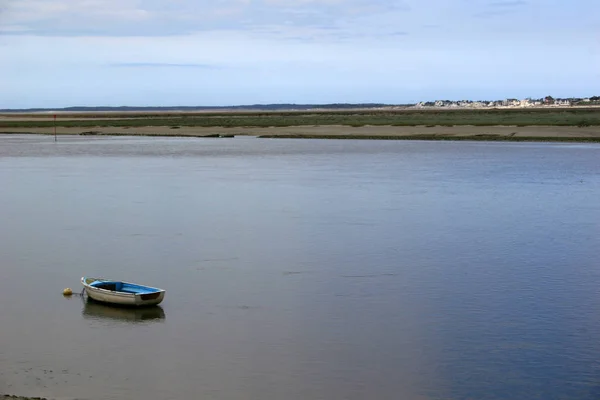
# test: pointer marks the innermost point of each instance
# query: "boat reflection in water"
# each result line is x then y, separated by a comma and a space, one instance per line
95, 310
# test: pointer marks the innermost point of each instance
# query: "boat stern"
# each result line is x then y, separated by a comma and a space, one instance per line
149, 299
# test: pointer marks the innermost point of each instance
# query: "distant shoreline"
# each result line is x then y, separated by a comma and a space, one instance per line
552, 124
277, 108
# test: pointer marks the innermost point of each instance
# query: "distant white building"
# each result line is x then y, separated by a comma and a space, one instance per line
563, 102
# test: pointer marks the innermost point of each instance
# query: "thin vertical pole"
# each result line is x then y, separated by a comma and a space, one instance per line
55, 127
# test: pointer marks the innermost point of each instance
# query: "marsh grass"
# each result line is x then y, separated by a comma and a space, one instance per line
546, 117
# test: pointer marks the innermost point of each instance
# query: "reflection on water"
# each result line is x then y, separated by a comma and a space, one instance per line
95, 310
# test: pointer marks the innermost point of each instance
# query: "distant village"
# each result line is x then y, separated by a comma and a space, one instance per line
547, 101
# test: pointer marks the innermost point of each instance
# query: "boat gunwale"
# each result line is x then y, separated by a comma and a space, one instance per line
84, 281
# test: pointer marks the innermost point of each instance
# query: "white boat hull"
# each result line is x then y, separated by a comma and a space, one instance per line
121, 298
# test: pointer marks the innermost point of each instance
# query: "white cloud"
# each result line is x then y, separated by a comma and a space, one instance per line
118, 17
176, 17
43, 10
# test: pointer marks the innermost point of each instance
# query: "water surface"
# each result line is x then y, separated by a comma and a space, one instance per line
301, 269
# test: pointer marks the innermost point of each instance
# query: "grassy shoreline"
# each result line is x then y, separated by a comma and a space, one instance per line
575, 117
556, 124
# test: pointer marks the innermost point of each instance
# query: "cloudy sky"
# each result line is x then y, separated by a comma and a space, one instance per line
57, 53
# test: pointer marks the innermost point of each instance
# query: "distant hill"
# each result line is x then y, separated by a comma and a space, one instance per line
257, 107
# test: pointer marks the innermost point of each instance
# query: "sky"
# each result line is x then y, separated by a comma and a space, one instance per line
60, 53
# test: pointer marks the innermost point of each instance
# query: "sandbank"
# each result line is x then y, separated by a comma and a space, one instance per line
591, 133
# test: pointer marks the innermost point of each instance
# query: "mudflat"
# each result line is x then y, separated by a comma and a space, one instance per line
331, 131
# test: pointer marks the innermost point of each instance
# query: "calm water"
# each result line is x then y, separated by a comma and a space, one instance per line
301, 269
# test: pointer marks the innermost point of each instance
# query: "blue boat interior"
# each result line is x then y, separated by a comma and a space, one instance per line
123, 287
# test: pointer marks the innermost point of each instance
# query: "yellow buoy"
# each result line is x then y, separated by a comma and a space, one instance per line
67, 292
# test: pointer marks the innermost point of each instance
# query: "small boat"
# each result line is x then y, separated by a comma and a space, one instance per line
122, 293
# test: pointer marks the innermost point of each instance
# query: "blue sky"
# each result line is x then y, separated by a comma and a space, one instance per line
57, 53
